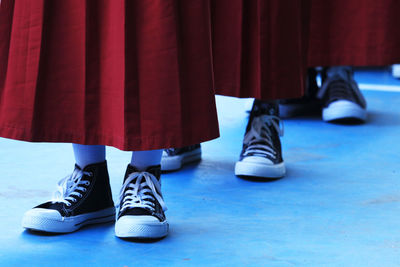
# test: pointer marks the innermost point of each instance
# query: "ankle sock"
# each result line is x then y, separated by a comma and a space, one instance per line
143, 159
88, 154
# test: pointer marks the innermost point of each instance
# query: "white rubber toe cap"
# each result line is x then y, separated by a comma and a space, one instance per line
140, 227
259, 160
344, 109
259, 167
44, 213
138, 220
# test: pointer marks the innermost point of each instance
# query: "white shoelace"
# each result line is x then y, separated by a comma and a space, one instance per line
260, 133
68, 186
141, 193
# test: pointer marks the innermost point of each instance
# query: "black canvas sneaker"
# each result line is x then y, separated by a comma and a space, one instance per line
341, 97
82, 198
141, 206
309, 104
261, 154
174, 158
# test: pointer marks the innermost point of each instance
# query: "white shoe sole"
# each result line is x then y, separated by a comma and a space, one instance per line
135, 227
173, 163
260, 170
344, 109
39, 219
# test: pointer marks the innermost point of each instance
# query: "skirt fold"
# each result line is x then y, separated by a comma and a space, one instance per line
136, 75
270, 61
6, 17
22, 62
352, 32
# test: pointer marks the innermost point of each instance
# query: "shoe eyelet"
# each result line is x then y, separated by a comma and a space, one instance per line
69, 205
80, 195
87, 183
84, 190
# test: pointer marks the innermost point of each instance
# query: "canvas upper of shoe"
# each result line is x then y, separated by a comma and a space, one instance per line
339, 84
263, 131
82, 192
141, 193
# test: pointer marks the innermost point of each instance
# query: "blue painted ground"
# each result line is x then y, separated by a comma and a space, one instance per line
339, 204
382, 76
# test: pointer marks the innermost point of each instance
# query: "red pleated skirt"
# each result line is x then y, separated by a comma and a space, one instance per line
260, 47
353, 32
136, 75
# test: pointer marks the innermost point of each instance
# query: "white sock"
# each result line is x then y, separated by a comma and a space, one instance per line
144, 159
88, 154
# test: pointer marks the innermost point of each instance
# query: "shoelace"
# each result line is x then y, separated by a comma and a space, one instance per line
341, 89
258, 139
139, 191
67, 188
338, 89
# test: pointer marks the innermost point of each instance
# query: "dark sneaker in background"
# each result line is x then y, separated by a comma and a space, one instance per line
141, 206
82, 198
341, 97
174, 158
261, 154
309, 104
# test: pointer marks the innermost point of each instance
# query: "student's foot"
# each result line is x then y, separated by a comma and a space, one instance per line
309, 104
341, 97
261, 154
141, 207
82, 198
174, 158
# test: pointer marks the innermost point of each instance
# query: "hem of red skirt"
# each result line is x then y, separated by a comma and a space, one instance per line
161, 141
227, 90
356, 60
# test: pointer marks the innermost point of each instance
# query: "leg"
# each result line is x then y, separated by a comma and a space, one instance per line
85, 154
144, 159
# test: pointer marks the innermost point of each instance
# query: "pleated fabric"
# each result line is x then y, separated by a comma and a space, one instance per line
136, 75
260, 47
353, 32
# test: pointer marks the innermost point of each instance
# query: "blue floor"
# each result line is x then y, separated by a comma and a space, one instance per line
339, 204
376, 76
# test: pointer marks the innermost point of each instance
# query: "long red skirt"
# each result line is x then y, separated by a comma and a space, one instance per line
136, 75
260, 47
353, 32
